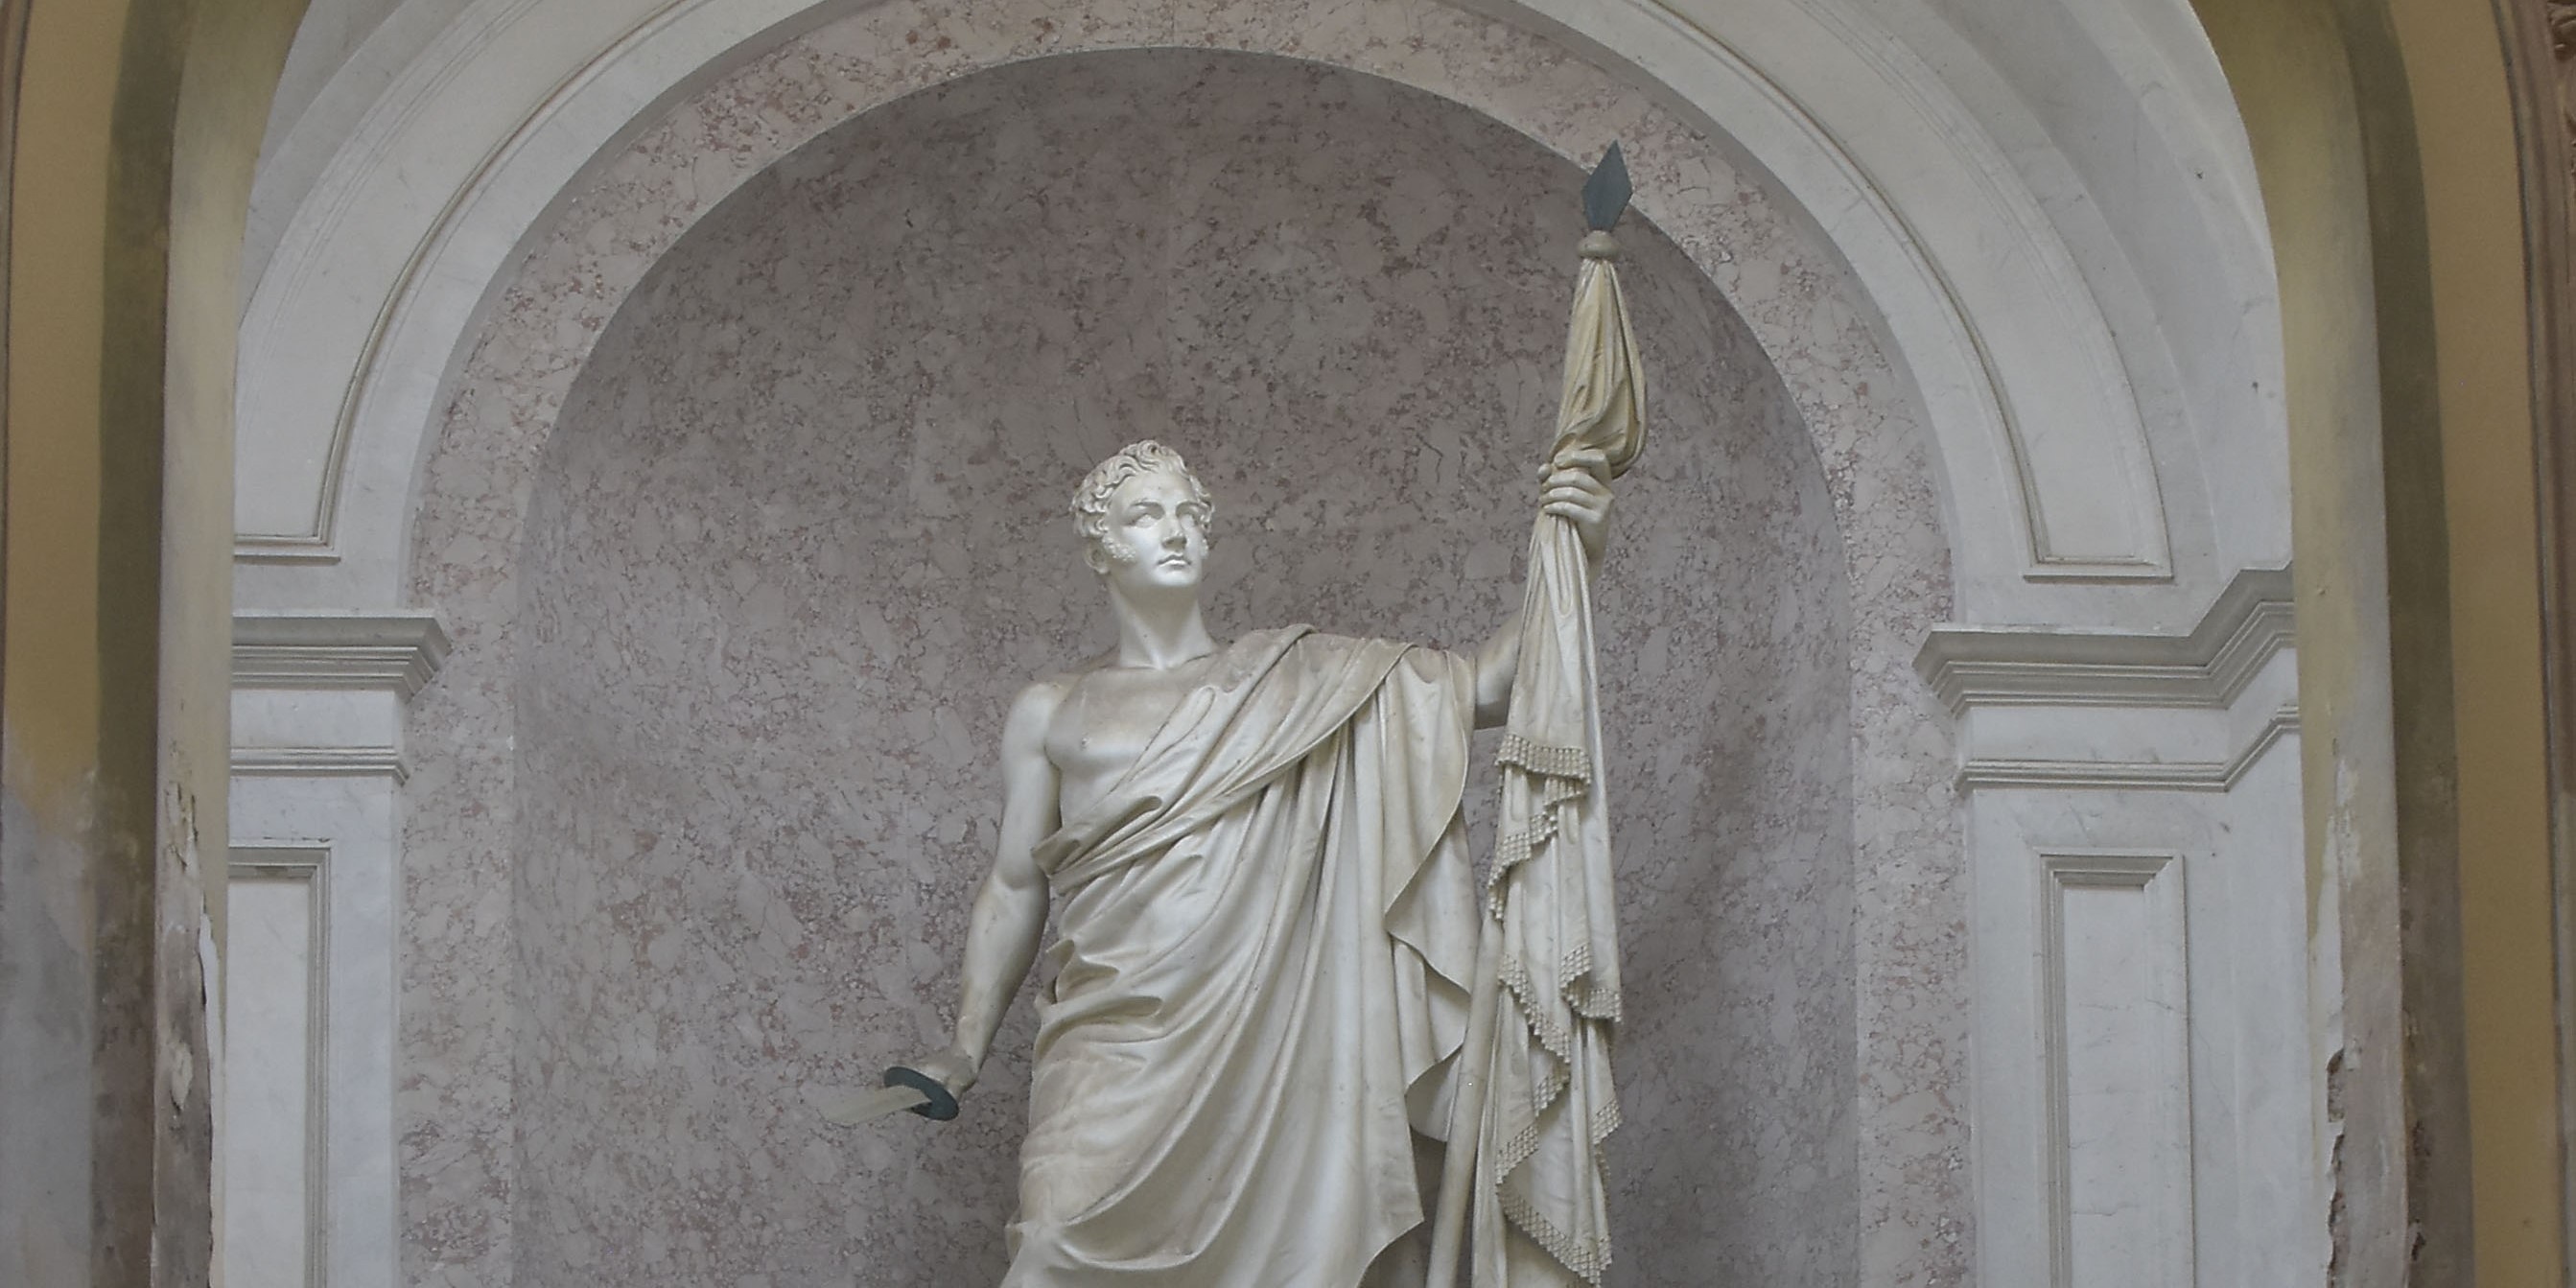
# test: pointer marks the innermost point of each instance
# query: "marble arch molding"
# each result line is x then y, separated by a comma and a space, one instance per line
2085, 471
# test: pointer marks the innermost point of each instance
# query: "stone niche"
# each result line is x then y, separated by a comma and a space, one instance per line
801, 535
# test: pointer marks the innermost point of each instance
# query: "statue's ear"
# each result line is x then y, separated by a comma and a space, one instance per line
1093, 555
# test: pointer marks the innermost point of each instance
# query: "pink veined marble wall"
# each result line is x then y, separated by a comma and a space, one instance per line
492, 1102
799, 538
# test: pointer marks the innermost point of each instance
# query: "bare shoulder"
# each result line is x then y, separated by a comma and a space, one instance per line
1038, 702
1024, 731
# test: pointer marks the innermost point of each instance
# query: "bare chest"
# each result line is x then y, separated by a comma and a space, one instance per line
1105, 723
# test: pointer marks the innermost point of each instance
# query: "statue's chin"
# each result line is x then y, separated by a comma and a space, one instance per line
1152, 585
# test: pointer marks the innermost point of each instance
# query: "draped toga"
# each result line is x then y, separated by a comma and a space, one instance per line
1266, 930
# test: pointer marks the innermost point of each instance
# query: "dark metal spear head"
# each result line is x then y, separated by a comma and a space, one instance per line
1605, 194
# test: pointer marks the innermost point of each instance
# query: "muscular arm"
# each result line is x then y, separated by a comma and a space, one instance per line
1580, 492
1010, 910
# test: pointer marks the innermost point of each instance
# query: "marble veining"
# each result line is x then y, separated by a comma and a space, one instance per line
642, 733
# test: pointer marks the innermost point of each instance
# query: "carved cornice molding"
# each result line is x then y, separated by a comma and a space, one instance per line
319, 762
293, 861
2134, 775
398, 652
2251, 620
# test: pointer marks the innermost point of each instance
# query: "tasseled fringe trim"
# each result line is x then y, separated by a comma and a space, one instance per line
1515, 848
1588, 1258
1564, 774
1546, 761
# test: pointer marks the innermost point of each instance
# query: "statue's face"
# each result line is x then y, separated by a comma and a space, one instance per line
1156, 541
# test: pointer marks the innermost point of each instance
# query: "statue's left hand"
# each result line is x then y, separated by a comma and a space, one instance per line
954, 1069
1579, 490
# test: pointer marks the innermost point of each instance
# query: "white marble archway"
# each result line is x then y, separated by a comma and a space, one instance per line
2072, 450
2043, 439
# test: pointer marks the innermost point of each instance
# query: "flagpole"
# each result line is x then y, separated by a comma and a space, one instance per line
1605, 198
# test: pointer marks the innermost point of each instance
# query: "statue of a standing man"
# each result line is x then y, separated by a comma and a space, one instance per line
1268, 921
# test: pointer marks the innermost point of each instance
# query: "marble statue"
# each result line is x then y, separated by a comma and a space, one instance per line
1267, 917
1274, 970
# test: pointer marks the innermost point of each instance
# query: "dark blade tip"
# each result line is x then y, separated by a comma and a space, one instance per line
1605, 195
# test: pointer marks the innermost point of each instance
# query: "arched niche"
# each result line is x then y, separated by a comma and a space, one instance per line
1921, 260
798, 535
470, 1042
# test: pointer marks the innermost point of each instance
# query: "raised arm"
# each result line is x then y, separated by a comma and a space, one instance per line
1580, 492
1010, 909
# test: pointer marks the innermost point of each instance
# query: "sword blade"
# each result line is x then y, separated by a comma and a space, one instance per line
851, 1108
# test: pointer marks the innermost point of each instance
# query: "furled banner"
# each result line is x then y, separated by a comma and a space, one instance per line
1548, 998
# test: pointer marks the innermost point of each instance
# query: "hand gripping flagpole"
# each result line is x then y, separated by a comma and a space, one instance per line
1534, 1098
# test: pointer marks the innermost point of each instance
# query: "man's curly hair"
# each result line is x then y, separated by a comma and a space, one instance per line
1091, 500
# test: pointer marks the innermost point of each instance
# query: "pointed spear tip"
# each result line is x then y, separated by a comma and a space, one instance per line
1605, 195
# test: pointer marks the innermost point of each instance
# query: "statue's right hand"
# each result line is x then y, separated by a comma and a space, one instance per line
952, 1068
1578, 490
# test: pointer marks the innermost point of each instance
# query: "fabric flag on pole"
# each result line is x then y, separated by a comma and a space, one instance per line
1549, 1099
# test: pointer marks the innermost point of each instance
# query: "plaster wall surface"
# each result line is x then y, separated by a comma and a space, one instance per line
48, 1030
331, 33
799, 537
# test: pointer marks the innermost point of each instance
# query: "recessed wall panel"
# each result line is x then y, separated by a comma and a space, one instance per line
2119, 1071
273, 1030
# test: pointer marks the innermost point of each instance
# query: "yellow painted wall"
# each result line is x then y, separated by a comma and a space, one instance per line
137, 126
2409, 396
2289, 68
2473, 217
79, 912
57, 288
